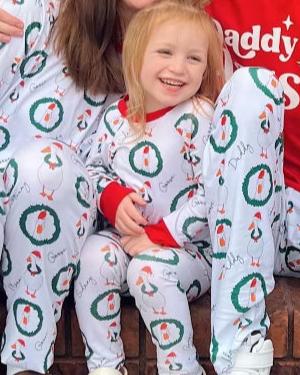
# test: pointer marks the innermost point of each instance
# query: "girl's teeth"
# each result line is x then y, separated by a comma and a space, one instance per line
171, 82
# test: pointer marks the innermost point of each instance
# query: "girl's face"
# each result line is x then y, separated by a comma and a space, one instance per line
135, 5
174, 62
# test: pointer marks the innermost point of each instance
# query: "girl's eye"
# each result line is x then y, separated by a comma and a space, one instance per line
194, 58
165, 52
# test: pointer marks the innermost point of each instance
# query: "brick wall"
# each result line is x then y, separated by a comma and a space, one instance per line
283, 306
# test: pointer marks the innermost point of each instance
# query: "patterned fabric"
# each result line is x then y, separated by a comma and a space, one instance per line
165, 167
266, 34
170, 182
161, 286
36, 91
261, 34
252, 219
49, 210
47, 205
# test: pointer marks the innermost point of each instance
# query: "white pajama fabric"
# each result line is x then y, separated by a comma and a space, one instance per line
253, 220
165, 167
47, 201
43, 240
159, 282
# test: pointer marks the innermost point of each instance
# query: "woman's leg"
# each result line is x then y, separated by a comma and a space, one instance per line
3, 210
162, 281
245, 195
50, 210
103, 268
287, 260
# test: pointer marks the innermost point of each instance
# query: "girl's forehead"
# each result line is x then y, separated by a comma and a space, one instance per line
168, 27
185, 34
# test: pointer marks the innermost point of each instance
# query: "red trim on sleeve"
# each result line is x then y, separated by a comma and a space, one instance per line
110, 199
160, 234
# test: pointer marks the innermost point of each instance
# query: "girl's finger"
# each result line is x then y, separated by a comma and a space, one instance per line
129, 228
8, 19
137, 199
4, 38
136, 216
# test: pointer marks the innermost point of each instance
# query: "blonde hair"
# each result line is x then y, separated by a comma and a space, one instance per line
136, 41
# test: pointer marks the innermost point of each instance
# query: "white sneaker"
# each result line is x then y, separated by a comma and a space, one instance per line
258, 361
109, 371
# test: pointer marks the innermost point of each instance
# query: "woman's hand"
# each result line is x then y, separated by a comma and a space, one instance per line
129, 221
134, 245
9, 26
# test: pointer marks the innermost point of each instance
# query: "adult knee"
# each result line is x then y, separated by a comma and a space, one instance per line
262, 78
49, 169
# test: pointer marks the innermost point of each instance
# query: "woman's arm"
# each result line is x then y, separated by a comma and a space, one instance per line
13, 54
9, 26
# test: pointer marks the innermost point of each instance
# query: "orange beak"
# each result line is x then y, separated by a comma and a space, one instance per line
251, 226
46, 150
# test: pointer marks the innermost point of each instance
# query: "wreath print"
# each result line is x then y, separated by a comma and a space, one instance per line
35, 223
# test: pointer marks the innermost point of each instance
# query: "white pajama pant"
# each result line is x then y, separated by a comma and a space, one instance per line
254, 226
162, 281
47, 209
254, 221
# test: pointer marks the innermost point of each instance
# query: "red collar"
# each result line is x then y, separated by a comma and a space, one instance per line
122, 106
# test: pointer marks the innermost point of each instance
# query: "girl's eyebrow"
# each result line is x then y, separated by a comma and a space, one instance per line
162, 43
197, 50
165, 44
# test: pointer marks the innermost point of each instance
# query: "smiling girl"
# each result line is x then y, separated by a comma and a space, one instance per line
146, 164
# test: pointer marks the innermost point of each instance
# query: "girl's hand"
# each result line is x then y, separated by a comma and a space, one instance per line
134, 245
129, 221
9, 26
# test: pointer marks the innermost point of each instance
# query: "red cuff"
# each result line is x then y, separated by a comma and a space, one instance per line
160, 235
110, 199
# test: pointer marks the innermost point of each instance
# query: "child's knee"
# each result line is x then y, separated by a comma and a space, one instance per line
142, 275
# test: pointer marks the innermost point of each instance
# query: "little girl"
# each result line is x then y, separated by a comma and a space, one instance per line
146, 164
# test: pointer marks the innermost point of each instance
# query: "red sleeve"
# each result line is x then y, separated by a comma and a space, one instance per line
160, 235
110, 199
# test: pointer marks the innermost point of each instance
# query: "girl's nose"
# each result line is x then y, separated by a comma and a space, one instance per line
177, 65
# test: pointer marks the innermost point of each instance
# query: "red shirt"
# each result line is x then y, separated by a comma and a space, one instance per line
266, 33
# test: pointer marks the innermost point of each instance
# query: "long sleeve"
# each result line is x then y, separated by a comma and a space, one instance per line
187, 222
107, 183
166, 174
18, 62
38, 97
